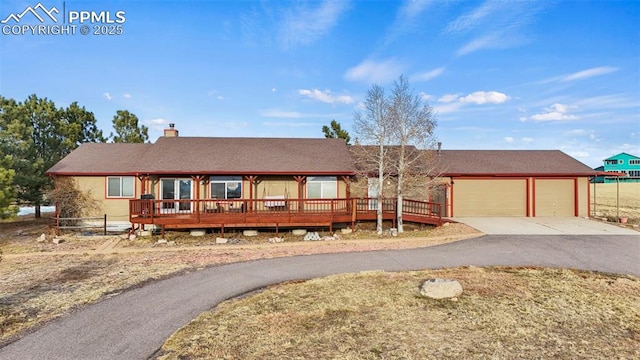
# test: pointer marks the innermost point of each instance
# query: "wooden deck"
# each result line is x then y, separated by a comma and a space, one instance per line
275, 213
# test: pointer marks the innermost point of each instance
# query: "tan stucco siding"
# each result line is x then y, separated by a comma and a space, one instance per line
490, 197
117, 209
554, 197
583, 197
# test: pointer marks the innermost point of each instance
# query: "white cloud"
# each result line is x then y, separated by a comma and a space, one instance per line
509, 139
556, 112
485, 97
447, 108
447, 98
581, 75
585, 74
428, 75
157, 124
413, 8
527, 140
326, 96
126, 95
375, 72
303, 25
472, 18
107, 96
495, 40
274, 90
424, 96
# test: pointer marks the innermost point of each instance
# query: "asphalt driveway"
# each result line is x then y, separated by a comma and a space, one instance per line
134, 324
543, 226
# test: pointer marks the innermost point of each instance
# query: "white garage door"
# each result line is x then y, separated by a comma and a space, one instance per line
490, 197
554, 197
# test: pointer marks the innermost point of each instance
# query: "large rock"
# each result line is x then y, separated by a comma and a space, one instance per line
220, 240
440, 288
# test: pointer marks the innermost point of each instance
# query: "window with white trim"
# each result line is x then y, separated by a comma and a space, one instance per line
322, 187
120, 186
634, 162
226, 187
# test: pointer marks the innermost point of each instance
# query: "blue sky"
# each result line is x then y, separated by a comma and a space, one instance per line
499, 74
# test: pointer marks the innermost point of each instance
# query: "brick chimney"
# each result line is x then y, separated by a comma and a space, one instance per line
171, 131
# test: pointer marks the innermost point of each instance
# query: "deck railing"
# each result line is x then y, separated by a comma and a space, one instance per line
275, 211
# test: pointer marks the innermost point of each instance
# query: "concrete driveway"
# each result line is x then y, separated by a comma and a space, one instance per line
543, 226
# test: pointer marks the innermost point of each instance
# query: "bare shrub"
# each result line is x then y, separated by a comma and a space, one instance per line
71, 202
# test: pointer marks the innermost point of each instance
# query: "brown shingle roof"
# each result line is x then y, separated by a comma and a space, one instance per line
102, 159
510, 162
204, 155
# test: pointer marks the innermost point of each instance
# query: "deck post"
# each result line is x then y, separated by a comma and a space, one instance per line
300, 180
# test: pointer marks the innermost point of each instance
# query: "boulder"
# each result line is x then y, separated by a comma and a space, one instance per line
197, 232
440, 288
220, 240
299, 232
250, 233
42, 238
57, 240
275, 240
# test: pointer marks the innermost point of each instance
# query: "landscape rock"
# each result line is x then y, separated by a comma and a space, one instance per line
220, 240
440, 288
57, 240
299, 232
275, 240
162, 241
346, 231
250, 233
312, 236
197, 232
42, 238
133, 237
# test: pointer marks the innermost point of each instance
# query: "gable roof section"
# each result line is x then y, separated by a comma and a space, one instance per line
205, 155
511, 163
102, 159
622, 155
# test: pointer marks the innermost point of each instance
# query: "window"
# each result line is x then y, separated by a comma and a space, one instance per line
226, 187
634, 162
611, 162
120, 186
322, 187
634, 173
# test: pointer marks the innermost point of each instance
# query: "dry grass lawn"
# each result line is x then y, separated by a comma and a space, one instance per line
42, 281
605, 201
503, 313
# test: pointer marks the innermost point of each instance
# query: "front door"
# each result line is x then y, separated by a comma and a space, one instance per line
175, 189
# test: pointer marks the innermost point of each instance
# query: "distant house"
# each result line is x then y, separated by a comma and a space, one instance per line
207, 182
622, 163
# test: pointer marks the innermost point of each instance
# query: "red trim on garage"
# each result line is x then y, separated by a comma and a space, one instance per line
589, 199
452, 186
528, 196
576, 196
533, 190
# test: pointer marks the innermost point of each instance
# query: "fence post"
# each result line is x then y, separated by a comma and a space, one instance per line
105, 224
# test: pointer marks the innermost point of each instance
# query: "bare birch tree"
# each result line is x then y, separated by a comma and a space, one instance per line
412, 125
373, 127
